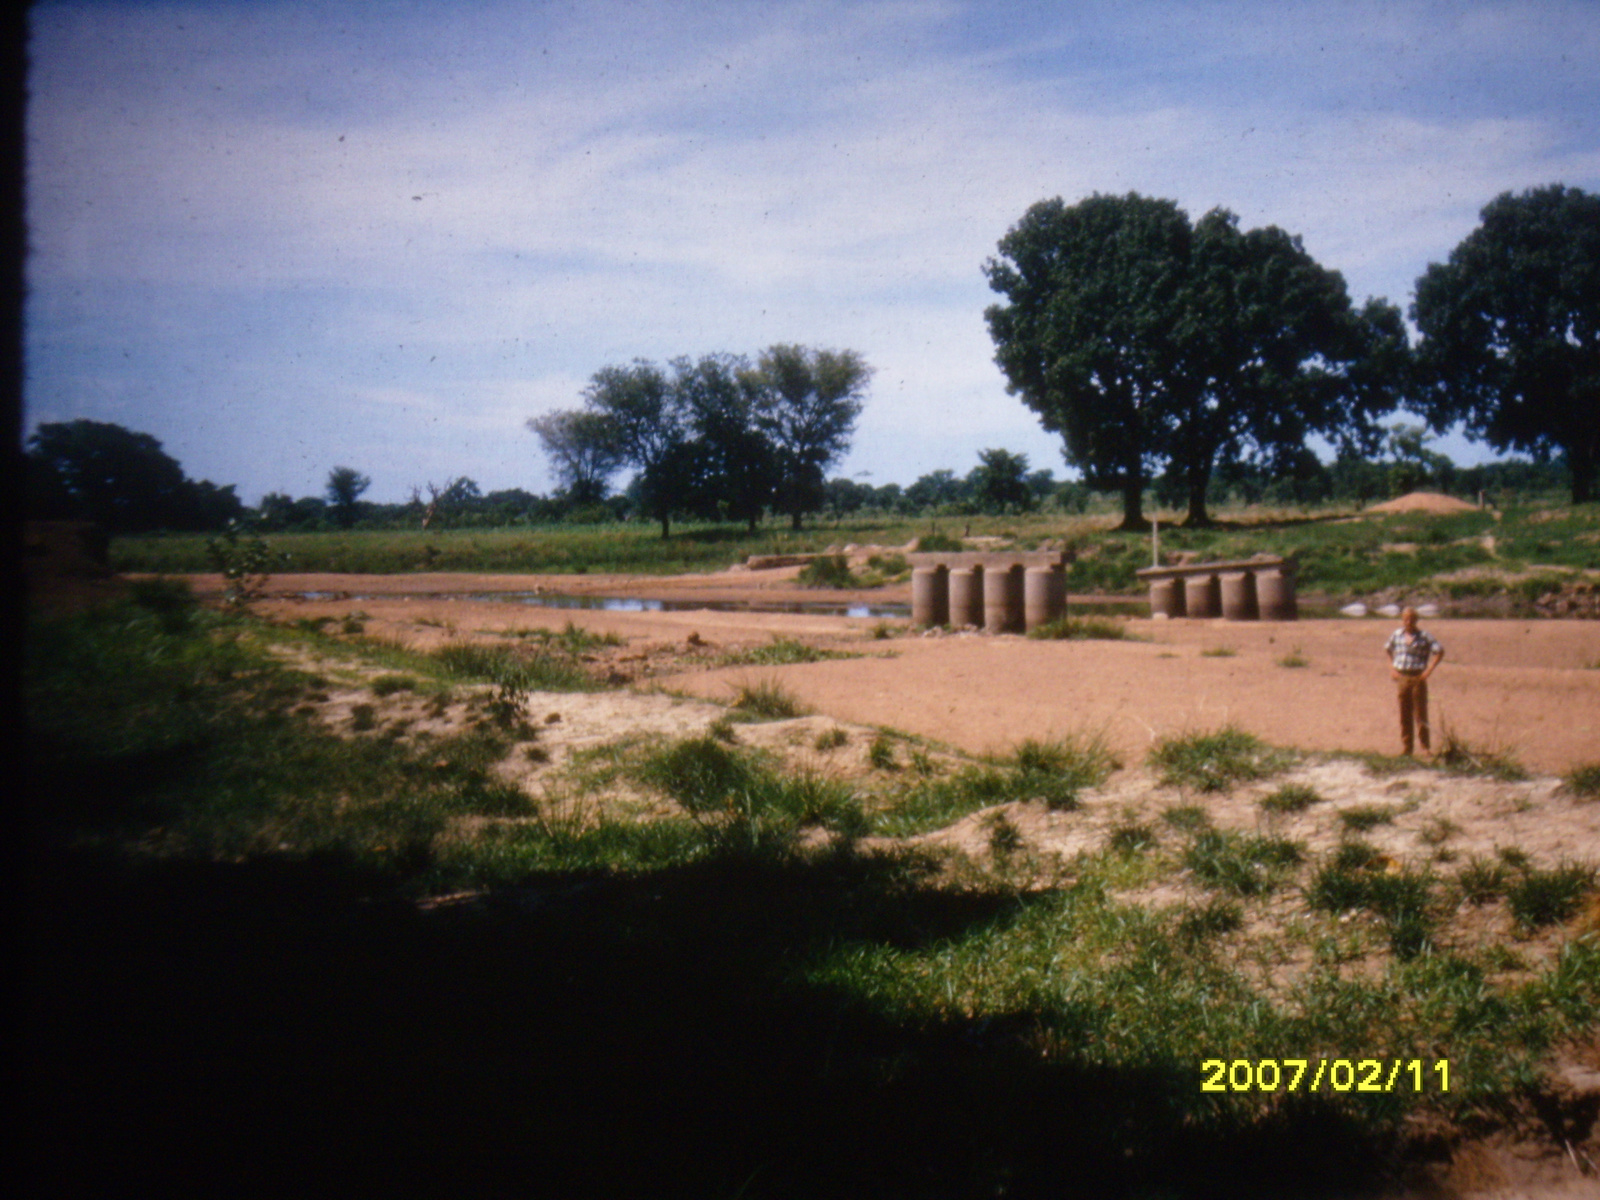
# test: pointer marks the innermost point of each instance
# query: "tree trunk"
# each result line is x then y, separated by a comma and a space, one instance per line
666, 526
1199, 480
1133, 507
1582, 466
794, 520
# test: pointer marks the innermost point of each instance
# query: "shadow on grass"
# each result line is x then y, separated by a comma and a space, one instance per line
274, 1027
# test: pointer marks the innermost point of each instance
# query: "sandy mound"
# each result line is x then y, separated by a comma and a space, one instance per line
1428, 502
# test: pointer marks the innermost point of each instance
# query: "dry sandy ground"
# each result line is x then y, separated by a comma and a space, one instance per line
1530, 689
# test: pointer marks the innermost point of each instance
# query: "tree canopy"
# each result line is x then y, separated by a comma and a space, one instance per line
99, 471
807, 404
1511, 330
581, 450
713, 437
344, 489
1148, 342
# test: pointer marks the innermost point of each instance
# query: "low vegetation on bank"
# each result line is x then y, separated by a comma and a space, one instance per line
1515, 556
392, 835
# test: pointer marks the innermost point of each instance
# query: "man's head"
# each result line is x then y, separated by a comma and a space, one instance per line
1408, 618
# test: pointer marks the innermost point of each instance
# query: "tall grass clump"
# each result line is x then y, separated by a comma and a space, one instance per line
1291, 798
1584, 781
540, 669
746, 802
780, 652
1240, 863
1051, 772
828, 571
1214, 762
1458, 756
1082, 629
766, 700
1539, 898
1354, 880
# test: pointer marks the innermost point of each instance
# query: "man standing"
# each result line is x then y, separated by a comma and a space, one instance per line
1412, 655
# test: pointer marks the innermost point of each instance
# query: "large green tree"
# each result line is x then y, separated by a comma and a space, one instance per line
583, 450
1148, 342
715, 437
1511, 330
344, 490
999, 483
1273, 351
100, 471
808, 402
641, 415
729, 468
1088, 336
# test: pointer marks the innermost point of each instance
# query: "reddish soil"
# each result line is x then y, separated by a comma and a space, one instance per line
1527, 688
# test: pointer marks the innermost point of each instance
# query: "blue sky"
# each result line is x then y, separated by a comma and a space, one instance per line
287, 236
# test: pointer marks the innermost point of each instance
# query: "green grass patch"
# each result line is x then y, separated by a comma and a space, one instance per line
528, 669
1481, 880
765, 700
1210, 919
1082, 629
749, 804
1214, 762
1219, 652
1539, 898
388, 685
1360, 818
1240, 863
1132, 837
1051, 772
1584, 781
880, 753
1290, 798
828, 571
832, 739
1402, 900
780, 652
1457, 756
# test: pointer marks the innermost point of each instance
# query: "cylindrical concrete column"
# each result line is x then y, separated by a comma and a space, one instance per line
1239, 596
1275, 595
1044, 596
930, 596
1003, 599
1201, 596
1166, 597
966, 596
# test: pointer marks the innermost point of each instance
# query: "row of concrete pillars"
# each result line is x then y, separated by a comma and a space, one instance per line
1258, 595
999, 599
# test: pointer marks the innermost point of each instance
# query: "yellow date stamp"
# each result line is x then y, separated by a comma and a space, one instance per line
1324, 1075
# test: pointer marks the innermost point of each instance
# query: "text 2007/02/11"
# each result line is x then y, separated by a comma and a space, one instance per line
1337, 1075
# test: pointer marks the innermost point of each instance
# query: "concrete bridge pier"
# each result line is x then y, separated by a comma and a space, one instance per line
1003, 599
1044, 596
966, 596
930, 596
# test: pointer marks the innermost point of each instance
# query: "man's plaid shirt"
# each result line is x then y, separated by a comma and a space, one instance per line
1411, 654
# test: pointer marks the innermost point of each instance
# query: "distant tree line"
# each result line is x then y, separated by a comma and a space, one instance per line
1001, 483
1183, 363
